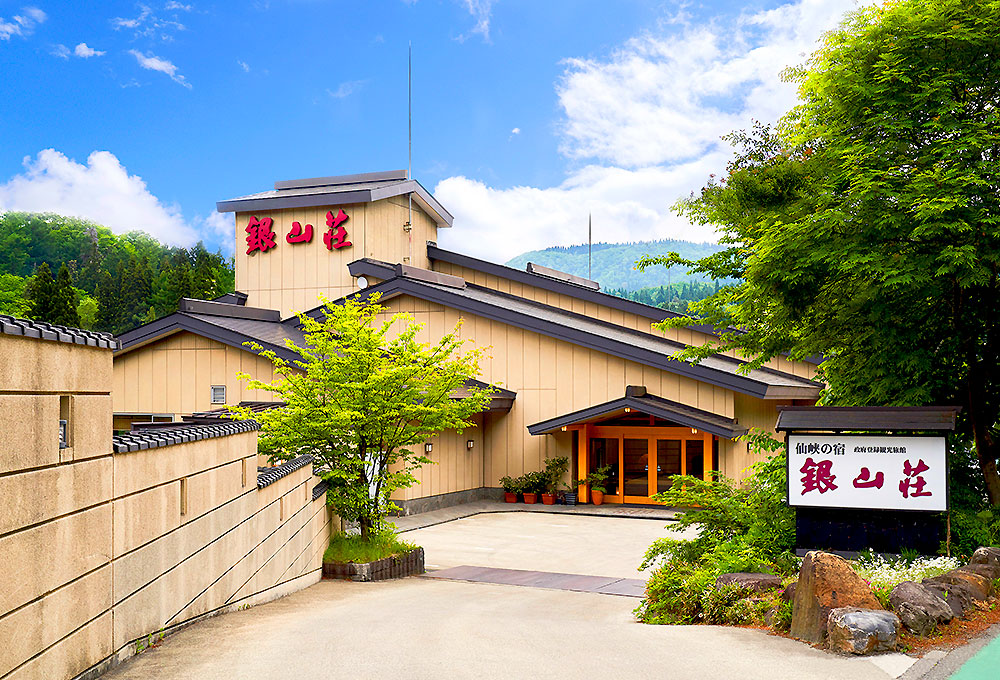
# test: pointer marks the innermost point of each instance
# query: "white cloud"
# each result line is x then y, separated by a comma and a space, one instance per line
102, 190
665, 98
178, 7
155, 63
515, 131
646, 121
85, 52
148, 25
346, 89
60, 51
243, 65
22, 24
481, 12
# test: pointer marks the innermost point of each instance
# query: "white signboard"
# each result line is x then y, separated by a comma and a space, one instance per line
862, 471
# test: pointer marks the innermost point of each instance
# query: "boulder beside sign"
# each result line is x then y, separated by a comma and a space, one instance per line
867, 472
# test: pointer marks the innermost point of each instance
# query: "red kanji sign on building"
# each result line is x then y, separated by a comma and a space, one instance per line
336, 236
259, 235
298, 234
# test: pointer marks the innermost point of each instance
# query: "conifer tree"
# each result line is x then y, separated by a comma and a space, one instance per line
41, 291
64, 301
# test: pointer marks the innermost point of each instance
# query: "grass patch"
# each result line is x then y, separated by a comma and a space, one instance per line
352, 548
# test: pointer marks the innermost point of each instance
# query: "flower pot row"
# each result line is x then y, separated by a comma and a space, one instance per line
530, 498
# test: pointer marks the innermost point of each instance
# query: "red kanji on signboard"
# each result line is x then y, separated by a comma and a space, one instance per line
918, 483
817, 477
336, 236
298, 235
259, 235
864, 481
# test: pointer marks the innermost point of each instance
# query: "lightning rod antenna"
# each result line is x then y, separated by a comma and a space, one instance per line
409, 151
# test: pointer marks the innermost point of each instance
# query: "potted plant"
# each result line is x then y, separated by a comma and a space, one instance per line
569, 495
555, 468
595, 480
511, 487
534, 483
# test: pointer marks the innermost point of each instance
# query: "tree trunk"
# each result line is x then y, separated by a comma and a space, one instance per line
986, 446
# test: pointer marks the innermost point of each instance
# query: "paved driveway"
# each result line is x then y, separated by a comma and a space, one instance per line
425, 628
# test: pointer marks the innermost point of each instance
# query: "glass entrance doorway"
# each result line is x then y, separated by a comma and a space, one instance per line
643, 461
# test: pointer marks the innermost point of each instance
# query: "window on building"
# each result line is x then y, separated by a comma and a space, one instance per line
218, 394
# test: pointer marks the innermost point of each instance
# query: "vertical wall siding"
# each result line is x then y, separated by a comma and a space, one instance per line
550, 377
290, 276
175, 375
603, 313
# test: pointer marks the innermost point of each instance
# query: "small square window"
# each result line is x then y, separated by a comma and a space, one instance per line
218, 394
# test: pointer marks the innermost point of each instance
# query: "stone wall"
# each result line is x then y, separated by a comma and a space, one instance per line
108, 542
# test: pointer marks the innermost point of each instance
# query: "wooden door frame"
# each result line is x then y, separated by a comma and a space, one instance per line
650, 434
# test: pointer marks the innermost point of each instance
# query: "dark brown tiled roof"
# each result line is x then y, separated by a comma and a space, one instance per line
613, 339
10, 325
835, 418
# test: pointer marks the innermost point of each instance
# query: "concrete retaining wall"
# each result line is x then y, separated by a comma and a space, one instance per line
102, 550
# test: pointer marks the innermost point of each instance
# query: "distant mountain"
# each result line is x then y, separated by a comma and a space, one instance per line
614, 263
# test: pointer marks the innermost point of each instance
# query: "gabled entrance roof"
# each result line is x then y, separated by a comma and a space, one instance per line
637, 399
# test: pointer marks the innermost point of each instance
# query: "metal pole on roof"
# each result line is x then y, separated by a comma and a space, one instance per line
409, 152
590, 246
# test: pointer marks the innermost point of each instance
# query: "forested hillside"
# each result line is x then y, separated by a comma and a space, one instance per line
614, 263
676, 297
111, 282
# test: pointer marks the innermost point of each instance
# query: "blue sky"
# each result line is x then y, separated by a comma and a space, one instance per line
527, 115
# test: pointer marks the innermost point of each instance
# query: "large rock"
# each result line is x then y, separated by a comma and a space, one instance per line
988, 571
755, 583
919, 608
826, 582
862, 631
980, 586
986, 556
959, 596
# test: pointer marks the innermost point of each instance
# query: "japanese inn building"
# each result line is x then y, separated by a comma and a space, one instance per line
583, 374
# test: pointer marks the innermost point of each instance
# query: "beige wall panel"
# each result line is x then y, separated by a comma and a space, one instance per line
73, 655
140, 470
137, 568
50, 366
29, 436
33, 497
142, 517
44, 622
90, 425
27, 555
291, 276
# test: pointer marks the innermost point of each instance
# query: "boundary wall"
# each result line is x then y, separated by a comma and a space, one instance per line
110, 543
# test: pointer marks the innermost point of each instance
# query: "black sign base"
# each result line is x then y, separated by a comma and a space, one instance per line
854, 531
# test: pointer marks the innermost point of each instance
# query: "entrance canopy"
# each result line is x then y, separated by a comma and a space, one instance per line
637, 400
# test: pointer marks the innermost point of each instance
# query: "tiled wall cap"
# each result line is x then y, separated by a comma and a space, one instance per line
28, 328
151, 439
266, 476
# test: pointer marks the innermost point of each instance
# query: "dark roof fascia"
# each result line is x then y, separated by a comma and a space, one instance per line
737, 383
281, 202
234, 298
557, 286
179, 321
654, 406
338, 180
366, 266
424, 199
864, 418
213, 308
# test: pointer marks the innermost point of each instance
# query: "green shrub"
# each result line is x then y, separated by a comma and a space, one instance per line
741, 527
782, 615
353, 548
